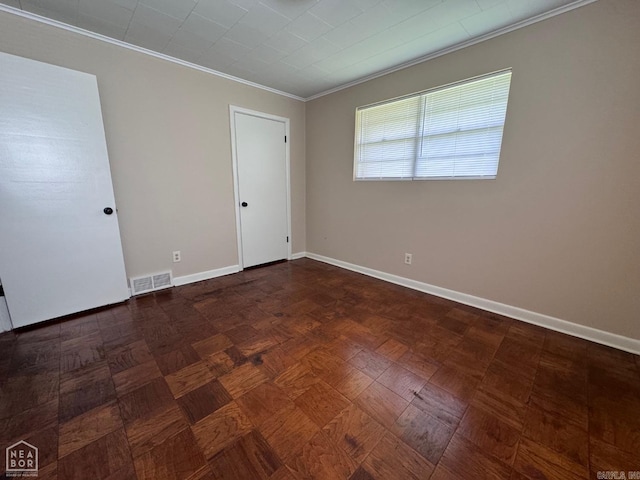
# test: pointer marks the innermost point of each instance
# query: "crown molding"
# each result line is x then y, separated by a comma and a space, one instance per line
135, 48
459, 46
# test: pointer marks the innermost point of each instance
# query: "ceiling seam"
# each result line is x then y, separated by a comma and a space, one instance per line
145, 51
459, 46
453, 48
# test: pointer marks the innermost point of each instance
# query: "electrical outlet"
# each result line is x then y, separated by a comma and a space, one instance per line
407, 258
176, 256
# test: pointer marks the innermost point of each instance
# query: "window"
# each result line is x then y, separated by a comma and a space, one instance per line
453, 131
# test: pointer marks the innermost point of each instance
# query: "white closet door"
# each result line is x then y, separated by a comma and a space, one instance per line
60, 249
262, 188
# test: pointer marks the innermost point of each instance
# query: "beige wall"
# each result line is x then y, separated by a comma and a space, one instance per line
558, 232
167, 129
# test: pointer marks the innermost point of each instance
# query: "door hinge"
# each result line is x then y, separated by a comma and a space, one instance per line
285, 139
287, 239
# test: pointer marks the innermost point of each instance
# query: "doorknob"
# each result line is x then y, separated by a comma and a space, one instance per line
244, 204
108, 210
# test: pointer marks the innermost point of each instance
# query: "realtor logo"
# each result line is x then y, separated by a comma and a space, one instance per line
22, 460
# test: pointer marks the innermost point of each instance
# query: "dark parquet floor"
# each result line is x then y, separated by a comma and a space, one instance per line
301, 370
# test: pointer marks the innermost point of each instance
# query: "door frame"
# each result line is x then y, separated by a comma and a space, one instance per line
233, 110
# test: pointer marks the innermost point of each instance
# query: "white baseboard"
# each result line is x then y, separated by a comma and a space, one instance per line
588, 333
198, 277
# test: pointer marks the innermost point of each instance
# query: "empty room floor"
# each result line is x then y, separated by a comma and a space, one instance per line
303, 370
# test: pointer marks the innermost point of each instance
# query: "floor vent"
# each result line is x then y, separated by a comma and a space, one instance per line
151, 283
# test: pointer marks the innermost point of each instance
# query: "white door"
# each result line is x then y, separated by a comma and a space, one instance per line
260, 149
60, 249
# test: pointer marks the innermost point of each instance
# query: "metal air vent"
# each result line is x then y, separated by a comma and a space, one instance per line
151, 283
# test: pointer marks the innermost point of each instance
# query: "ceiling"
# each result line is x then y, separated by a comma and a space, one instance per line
300, 47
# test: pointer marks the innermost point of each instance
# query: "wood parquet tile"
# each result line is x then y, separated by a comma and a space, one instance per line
148, 431
469, 461
78, 327
13, 428
370, 363
106, 458
392, 459
557, 434
287, 431
174, 360
401, 381
321, 459
321, 403
236, 356
88, 427
80, 352
220, 429
392, 349
85, 389
503, 407
296, 380
419, 365
275, 361
203, 401
36, 388
128, 356
350, 381
537, 461
127, 380
355, 431
301, 370
424, 433
145, 400
242, 379
32, 357
456, 381
176, 458
249, 457
440, 404
490, 433
381, 403
264, 401
189, 378
502, 378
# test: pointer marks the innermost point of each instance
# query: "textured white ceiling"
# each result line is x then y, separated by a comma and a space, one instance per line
301, 47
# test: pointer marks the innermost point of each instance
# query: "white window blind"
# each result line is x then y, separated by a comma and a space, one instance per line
449, 132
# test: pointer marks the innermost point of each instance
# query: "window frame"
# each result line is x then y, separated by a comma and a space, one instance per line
420, 123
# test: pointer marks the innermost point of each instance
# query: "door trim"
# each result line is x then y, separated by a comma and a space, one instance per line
233, 110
